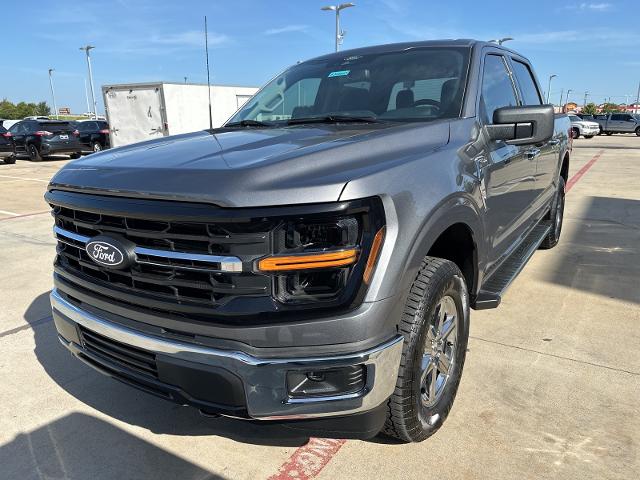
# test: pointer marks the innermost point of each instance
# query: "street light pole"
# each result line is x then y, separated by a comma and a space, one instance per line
93, 95
567, 100
53, 94
336, 8
86, 95
551, 77
586, 94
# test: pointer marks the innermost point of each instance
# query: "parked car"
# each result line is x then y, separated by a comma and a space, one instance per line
619, 123
7, 150
315, 258
584, 116
93, 135
583, 127
41, 138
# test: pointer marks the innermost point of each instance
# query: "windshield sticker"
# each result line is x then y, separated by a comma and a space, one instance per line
339, 73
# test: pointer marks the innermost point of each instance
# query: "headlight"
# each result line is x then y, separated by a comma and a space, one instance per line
325, 258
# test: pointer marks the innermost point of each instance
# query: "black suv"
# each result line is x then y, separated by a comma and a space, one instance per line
93, 135
7, 151
40, 138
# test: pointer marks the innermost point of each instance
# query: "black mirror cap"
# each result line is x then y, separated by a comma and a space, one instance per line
526, 125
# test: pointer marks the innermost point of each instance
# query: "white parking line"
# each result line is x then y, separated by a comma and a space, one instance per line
4, 212
25, 178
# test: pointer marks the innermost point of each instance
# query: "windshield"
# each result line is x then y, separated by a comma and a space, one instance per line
420, 84
573, 118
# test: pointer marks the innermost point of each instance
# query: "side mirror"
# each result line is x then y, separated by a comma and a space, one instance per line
522, 125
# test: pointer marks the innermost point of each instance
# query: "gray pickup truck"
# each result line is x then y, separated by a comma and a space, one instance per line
619, 123
313, 262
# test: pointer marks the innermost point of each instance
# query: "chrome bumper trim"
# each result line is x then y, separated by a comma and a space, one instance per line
265, 378
227, 264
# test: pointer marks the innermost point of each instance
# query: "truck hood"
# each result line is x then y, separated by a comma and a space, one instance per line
252, 166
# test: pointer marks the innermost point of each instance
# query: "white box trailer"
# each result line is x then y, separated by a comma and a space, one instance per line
143, 111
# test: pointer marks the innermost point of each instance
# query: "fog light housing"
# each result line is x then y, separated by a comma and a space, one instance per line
326, 382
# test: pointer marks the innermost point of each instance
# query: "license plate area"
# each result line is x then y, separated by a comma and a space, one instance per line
64, 137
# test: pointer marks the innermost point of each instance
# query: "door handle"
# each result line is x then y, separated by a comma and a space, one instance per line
554, 142
532, 153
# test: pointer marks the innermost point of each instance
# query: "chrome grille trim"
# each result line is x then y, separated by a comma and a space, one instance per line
226, 264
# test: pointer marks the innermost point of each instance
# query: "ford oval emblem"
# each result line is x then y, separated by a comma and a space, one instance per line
107, 252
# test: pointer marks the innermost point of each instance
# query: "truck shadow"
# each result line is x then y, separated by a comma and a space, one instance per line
132, 406
83, 446
602, 253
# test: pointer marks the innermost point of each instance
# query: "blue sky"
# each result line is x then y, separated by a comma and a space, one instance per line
590, 45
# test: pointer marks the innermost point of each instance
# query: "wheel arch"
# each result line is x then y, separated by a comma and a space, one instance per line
454, 232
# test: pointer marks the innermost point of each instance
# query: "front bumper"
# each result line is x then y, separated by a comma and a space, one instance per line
231, 383
590, 131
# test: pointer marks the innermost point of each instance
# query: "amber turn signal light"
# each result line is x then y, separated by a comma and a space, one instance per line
376, 246
283, 263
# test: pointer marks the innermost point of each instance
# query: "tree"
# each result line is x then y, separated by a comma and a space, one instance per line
17, 112
43, 109
590, 109
610, 108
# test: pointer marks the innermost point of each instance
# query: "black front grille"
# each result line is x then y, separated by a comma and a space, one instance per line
164, 283
123, 355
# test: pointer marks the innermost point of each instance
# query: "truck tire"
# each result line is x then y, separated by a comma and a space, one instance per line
608, 133
96, 147
638, 131
588, 136
556, 215
75, 156
10, 160
435, 325
575, 133
34, 154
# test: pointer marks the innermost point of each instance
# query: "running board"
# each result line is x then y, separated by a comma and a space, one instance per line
494, 287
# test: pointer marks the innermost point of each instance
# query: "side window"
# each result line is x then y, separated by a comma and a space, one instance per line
497, 88
617, 117
530, 94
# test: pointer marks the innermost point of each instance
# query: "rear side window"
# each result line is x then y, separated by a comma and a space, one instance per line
497, 88
617, 116
528, 88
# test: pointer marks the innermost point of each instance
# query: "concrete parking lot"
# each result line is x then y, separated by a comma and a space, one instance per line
551, 387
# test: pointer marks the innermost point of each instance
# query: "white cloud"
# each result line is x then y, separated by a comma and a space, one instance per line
595, 6
287, 29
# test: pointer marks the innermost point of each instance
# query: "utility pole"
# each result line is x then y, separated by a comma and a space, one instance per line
185, 79
336, 8
560, 104
93, 94
586, 94
567, 100
206, 48
551, 77
53, 95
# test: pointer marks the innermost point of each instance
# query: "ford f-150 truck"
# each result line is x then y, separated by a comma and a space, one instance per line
314, 260
611, 123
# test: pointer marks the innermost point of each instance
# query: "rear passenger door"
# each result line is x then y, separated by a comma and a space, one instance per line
507, 176
19, 134
543, 156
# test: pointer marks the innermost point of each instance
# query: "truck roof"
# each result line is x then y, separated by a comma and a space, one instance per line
396, 47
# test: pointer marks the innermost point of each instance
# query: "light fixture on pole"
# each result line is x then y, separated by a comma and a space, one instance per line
336, 8
86, 49
567, 99
551, 77
53, 94
500, 41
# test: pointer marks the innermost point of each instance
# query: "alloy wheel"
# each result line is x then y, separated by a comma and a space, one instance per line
439, 352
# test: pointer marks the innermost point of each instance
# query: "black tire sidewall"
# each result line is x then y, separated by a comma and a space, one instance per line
34, 157
448, 281
575, 133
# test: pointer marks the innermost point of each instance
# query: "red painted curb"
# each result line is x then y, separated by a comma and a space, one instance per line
307, 461
573, 180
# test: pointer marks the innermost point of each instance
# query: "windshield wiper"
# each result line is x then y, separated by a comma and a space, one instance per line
248, 123
333, 119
